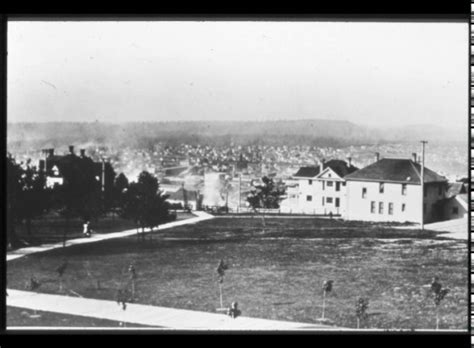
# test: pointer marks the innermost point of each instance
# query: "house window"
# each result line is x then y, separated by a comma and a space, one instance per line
344, 183
338, 186
403, 207
390, 208
323, 200
337, 202
309, 198
381, 188
372, 207
310, 182
380, 207
329, 183
324, 184
364, 192
404, 189
329, 200
455, 211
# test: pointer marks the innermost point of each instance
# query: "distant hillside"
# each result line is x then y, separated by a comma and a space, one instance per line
144, 134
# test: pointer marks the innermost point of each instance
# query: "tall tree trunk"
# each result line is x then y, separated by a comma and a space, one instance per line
28, 226
12, 237
263, 221
65, 231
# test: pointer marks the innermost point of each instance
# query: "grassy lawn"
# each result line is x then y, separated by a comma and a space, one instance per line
277, 274
27, 317
51, 228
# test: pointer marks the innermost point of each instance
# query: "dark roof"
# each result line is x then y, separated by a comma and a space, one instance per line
175, 171
307, 172
395, 170
340, 167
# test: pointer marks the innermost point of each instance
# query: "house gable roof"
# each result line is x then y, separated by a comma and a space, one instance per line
341, 168
307, 172
395, 170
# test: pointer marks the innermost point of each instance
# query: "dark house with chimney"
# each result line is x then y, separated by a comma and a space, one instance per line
56, 167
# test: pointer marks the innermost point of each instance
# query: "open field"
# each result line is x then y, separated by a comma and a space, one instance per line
53, 228
26, 317
276, 274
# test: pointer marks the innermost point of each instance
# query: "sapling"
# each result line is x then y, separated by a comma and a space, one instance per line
133, 277
327, 288
439, 294
362, 305
221, 268
60, 271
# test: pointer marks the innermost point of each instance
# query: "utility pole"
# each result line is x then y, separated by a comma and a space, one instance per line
423, 142
240, 191
103, 184
185, 197
103, 174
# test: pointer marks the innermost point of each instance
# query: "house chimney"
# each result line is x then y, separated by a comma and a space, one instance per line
377, 157
83, 152
42, 166
71, 149
322, 164
349, 161
50, 152
414, 156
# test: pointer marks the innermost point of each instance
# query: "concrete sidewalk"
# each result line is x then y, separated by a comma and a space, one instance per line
158, 317
201, 216
169, 318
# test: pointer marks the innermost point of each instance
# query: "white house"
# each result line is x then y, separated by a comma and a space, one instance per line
390, 190
320, 190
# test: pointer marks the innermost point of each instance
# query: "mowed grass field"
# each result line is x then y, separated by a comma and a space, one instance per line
53, 228
276, 274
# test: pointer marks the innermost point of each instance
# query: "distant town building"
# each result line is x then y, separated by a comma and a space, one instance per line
390, 190
214, 189
184, 198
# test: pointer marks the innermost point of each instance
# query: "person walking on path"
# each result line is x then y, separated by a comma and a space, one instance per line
87, 229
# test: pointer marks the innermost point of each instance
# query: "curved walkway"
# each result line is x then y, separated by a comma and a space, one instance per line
177, 319
169, 318
201, 216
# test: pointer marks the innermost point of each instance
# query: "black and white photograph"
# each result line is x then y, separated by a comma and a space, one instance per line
237, 175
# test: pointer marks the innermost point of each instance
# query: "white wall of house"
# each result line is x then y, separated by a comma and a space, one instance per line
290, 203
392, 204
307, 196
331, 193
51, 181
322, 194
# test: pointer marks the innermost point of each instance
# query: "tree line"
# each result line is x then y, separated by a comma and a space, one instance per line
81, 195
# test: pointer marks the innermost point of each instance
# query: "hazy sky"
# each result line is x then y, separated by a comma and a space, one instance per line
377, 74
